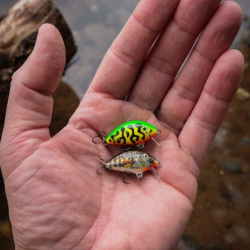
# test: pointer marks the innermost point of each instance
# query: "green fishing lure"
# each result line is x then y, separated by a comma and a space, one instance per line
130, 133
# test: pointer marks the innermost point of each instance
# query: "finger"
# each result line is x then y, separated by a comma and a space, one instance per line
202, 125
214, 41
170, 51
30, 102
123, 60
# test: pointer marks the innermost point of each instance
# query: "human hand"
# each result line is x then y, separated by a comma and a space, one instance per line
56, 199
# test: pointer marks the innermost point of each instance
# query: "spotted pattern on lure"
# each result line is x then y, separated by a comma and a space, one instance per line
132, 162
131, 133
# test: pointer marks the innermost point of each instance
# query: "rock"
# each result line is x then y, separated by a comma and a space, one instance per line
191, 242
242, 94
65, 104
232, 167
5, 229
246, 141
18, 32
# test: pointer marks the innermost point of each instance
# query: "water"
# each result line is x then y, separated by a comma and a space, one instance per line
221, 217
94, 27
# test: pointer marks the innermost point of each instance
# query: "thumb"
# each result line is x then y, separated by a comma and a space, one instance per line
30, 103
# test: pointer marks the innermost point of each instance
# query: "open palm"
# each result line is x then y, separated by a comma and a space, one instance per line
56, 199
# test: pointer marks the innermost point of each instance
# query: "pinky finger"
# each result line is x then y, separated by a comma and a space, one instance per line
206, 118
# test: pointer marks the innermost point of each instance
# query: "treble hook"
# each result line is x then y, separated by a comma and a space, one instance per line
103, 166
99, 136
98, 170
126, 175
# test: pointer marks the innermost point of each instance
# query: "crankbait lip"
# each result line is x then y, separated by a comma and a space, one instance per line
154, 139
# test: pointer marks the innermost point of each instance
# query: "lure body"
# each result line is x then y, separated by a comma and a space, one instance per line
132, 163
131, 133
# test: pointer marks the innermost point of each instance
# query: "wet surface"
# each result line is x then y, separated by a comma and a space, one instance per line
221, 218
221, 215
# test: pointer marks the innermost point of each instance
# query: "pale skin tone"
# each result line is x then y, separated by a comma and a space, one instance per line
56, 199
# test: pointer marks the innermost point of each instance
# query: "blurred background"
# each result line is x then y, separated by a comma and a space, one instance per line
221, 218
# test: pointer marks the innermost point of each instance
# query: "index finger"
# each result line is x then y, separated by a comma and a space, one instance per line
123, 60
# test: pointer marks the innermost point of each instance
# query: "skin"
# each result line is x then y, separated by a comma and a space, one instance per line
55, 197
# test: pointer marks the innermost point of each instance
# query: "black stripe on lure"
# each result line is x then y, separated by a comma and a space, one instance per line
130, 133
132, 163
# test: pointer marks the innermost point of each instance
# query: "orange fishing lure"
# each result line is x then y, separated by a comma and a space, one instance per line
132, 163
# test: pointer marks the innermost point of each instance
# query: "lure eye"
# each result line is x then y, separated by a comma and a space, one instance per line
144, 128
145, 156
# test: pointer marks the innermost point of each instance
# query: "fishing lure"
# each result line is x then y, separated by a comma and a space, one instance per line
131, 162
130, 133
